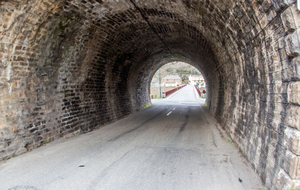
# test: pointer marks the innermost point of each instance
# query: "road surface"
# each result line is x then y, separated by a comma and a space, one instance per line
174, 144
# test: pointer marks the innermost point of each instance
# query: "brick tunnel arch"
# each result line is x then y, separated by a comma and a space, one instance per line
68, 66
147, 70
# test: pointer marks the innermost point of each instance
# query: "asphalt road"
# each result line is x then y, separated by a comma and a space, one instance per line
174, 144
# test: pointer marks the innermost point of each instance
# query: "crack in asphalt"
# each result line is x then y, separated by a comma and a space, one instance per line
182, 128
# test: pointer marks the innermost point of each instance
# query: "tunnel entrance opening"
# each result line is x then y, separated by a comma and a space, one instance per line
174, 75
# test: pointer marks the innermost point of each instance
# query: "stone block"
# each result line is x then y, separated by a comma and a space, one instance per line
296, 14
291, 165
292, 140
292, 46
296, 65
294, 93
283, 55
21, 151
290, 2
277, 77
295, 184
292, 118
288, 20
282, 180
280, 4
271, 162
287, 74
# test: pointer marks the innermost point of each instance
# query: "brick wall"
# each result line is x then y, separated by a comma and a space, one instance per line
70, 66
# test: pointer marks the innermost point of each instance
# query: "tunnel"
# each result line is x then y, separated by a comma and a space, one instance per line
71, 66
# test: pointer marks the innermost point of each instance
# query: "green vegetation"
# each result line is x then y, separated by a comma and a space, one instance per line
229, 140
155, 97
233, 145
205, 105
148, 106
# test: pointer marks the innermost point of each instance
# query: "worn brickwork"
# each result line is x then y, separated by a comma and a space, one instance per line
70, 66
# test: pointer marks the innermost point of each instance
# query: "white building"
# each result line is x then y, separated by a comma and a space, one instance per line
171, 80
197, 80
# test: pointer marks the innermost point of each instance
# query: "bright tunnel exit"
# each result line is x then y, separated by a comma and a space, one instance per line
173, 76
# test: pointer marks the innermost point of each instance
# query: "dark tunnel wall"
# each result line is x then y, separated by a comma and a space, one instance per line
71, 66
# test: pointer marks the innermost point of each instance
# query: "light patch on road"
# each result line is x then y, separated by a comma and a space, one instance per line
173, 108
169, 113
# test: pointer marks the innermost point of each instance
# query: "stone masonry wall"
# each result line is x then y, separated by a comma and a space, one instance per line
70, 66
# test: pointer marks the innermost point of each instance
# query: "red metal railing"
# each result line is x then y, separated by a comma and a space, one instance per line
174, 90
198, 91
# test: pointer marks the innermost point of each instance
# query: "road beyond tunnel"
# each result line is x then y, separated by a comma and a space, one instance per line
174, 144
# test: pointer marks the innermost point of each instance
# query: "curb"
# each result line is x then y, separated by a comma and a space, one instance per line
196, 93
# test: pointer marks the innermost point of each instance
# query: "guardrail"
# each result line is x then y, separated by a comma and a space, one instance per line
174, 90
198, 90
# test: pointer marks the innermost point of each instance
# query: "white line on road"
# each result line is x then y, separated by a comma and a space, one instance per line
169, 113
173, 108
